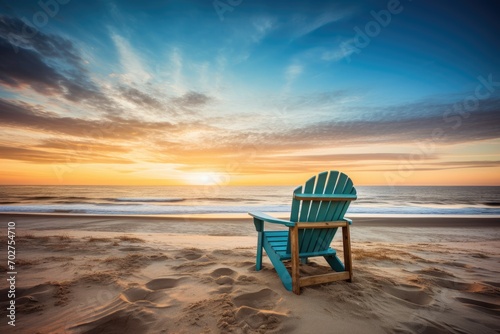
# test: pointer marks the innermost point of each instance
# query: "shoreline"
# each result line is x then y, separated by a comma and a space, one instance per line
369, 221
224, 215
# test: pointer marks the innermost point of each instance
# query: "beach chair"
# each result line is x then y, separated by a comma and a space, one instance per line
317, 212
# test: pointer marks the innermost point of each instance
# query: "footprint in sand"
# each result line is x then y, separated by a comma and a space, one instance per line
163, 283
259, 319
245, 279
134, 294
224, 278
256, 309
409, 293
146, 298
263, 299
133, 310
222, 272
152, 294
191, 254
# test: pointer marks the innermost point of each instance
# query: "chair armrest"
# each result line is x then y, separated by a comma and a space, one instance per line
348, 220
266, 218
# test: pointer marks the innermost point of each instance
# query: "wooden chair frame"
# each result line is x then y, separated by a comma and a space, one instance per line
297, 281
317, 213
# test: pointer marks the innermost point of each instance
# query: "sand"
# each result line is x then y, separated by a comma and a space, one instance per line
98, 274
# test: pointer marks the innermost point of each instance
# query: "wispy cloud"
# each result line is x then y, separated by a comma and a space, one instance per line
191, 99
344, 50
400, 126
140, 98
59, 157
292, 72
263, 25
481, 125
23, 115
132, 66
176, 66
307, 26
87, 146
437, 166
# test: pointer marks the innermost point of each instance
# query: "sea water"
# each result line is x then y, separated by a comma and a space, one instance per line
175, 200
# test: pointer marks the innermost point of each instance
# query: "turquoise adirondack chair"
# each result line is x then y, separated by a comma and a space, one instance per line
317, 212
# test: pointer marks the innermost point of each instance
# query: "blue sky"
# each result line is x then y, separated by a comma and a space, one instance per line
248, 92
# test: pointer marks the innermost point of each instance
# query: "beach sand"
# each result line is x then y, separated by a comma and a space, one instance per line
95, 274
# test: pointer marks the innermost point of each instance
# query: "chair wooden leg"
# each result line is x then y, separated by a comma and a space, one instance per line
294, 244
346, 236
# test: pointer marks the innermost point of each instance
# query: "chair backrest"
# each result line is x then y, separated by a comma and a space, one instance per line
324, 197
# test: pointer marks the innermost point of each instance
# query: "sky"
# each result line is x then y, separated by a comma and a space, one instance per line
247, 92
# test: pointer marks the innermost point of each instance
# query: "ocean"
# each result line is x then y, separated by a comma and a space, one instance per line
177, 200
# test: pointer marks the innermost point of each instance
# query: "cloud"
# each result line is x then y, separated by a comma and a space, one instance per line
140, 98
444, 165
131, 63
191, 99
48, 64
344, 157
344, 50
480, 125
50, 157
81, 145
292, 72
21, 35
326, 18
176, 73
23, 115
400, 125
25, 68
315, 101
263, 25
325, 119
256, 159
317, 121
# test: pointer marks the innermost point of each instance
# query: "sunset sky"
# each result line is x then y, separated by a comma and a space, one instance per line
249, 92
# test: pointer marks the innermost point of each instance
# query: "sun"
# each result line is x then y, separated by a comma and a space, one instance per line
204, 178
